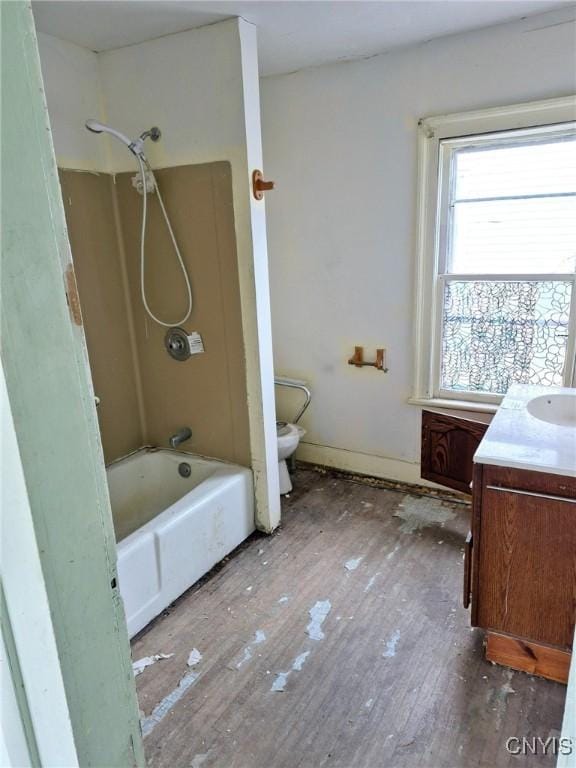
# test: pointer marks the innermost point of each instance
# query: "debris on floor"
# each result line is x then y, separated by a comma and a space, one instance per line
391, 645
418, 512
318, 614
140, 665
371, 582
194, 658
168, 702
279, 685
259, 637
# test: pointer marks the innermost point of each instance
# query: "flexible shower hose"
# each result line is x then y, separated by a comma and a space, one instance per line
141, 162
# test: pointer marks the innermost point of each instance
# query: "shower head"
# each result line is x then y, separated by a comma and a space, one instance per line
136, 146
96, 127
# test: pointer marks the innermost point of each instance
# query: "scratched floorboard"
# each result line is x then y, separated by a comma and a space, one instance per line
397, 681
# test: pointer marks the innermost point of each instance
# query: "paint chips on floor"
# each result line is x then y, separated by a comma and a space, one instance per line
279, 684
140, 665
299, 661
194, 658
259, 637
371, 582
318, 614
161, 710
391, 644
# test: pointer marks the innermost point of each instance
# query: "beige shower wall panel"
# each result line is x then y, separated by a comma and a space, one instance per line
88, 203
208, 391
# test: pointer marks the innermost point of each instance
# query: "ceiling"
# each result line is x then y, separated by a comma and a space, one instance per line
292, 34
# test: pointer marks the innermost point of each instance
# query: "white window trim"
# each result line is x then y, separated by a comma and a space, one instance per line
432, 131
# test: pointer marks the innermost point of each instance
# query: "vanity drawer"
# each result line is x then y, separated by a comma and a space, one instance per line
542, 483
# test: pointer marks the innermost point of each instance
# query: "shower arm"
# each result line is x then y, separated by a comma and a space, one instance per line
137, 146
296, 384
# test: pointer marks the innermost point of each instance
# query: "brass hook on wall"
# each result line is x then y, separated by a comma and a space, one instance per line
259, 186
358, 360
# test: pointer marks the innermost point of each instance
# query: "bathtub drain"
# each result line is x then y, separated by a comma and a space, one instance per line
184, 469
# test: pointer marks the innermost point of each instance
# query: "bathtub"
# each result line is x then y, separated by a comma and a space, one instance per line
171, 529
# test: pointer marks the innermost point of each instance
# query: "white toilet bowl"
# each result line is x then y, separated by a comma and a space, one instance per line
288, 438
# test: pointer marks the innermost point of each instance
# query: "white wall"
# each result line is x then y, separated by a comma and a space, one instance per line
72, 84
340, 141
189, 84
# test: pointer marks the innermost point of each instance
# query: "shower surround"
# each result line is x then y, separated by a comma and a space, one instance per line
145, 396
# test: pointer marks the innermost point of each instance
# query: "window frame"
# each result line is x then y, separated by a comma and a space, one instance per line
438, 137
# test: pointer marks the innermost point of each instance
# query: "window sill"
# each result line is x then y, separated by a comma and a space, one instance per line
454, 405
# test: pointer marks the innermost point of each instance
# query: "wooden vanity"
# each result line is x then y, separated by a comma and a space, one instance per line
520, 555
520, 562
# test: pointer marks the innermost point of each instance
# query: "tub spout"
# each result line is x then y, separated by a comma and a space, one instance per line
180, 437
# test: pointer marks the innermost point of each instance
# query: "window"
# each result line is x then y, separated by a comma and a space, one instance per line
497, 252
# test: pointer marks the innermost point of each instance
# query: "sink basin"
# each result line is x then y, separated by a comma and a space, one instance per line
557, 409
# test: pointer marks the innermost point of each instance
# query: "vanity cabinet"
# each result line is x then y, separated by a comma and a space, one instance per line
447, 449
520, 553
520, 565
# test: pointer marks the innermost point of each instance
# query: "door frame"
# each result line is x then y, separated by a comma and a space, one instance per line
38, 721
51, 400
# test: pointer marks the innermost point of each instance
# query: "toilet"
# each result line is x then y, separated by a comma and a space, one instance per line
288, 438
289, 434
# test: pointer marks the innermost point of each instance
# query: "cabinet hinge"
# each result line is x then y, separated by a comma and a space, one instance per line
72, 295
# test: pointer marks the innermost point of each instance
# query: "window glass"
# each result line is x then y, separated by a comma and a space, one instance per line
511, 171
497, 333
520, 237
513, 209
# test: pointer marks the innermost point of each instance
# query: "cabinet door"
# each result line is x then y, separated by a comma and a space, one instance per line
527, 563
448, 445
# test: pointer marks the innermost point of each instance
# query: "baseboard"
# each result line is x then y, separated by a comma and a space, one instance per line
534, 658
363, 463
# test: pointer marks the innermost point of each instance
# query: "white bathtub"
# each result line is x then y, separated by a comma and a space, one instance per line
171, 530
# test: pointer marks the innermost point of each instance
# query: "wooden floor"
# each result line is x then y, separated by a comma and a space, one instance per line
357, 601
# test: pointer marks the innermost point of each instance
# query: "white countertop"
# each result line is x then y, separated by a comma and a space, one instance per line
517, 439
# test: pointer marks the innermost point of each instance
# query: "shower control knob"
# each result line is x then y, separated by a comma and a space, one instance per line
181, 345
177, 344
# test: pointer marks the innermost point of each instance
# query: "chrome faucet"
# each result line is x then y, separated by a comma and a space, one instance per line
180, 437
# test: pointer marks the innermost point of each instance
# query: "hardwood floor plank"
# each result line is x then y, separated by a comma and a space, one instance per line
398, 679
